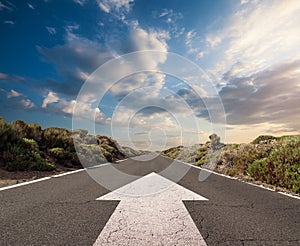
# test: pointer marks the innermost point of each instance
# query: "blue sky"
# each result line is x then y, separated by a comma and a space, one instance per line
249, 49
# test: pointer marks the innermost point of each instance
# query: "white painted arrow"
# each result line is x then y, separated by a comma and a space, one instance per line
156, 219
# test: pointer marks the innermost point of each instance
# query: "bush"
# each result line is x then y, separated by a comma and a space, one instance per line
172, 152
7, 134
201, 155
237, 158
263, 139
91, 154
30, 131
57, 138
25, 156
43, 165
281, 167
64, 157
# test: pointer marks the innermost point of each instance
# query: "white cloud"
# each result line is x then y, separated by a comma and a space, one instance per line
214, 40
141, 40
169, 16
192, 43
189, 37
88, 55
152, 40
125, 116
8, 6
80, 2
27, 104
117, 6
260, 34
10, 22
164, 13
51, 30
50, 98
69, 107
30, 6
13, 93
70, 32
100, 23
16, 100
104, 7
54, 104
244, 1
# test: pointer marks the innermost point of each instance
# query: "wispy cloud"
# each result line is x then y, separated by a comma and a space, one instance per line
13, 93
258, 35
51, 30
80, 2
10, 22
116, 6
192, 43
27, 103
7, 5
170, 16
30, 6
17, 100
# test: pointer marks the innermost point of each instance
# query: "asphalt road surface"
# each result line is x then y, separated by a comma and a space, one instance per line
64, 210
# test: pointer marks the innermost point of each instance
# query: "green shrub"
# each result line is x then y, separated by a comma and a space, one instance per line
172, 152
281, 167
30, 144
7, 134
64, 157
237, 158
201, 155
30, 131
57, 138
42, 165
58, 153
24, 155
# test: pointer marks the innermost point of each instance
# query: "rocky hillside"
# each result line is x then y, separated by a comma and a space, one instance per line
271, 160
26, 147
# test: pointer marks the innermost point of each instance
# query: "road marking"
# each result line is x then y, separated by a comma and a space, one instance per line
24, 183
121, 160
159, 218
47, 178
287, 194
67, 173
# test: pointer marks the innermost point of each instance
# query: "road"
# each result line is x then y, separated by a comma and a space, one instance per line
64, 210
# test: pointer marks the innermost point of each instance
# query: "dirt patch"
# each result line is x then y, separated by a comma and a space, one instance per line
11, 178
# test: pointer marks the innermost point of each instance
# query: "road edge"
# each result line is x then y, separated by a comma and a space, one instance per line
238, 179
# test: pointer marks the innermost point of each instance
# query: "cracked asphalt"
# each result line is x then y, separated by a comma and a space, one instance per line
64, 210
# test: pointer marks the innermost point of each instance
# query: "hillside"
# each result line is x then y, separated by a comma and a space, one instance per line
269, 160
27, 147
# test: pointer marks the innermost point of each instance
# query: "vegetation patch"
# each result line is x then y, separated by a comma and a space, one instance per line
271, 160
26, 147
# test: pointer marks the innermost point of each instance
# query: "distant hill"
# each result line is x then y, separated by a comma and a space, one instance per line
267, 159
27, 147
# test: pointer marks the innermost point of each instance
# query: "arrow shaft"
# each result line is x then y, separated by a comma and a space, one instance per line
153, 220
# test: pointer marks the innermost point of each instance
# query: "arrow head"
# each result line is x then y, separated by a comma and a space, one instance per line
152, 185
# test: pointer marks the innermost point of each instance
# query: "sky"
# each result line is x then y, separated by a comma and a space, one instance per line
248, 52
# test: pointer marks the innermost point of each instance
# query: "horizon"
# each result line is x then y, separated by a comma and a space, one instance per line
277, 136
249, 50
